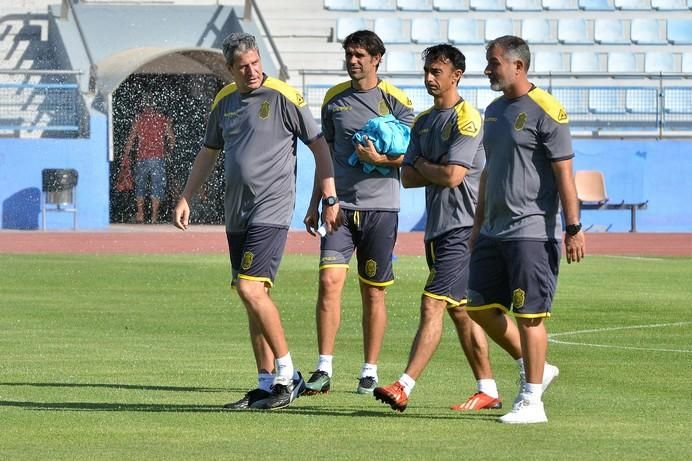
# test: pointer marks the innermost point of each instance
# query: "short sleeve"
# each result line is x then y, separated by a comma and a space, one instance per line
213, 137
327, 124
300, 121
556, 139
463, 149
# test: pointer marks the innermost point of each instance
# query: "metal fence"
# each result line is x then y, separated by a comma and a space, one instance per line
40, 102
660, 108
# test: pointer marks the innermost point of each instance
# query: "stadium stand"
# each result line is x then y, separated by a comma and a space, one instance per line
537, 31
426, 30
610, 31
548, 61
573, 31
342, 5
669, 5
414, 5
596, 5
465, 31
560, 5
585, 61
524, 5
496, 27
378, 5
400, 61
391, 30
348, 25
451, 5
633, 5
680, 31
687, 63
619, 62
659, 62
646, 32
487, 5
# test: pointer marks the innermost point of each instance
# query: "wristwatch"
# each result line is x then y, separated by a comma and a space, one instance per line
330, 201
573, 229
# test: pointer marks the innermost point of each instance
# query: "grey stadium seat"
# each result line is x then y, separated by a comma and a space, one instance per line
487, 5
641, 100
633, 5
584, 61
497, 27
426, 29
659, 62
524, 5
414, 5
401, 61
596, 5
342, 5
606, 101
378, 5
464, 31
548, 61
391, 30
621, 62
560, 5
610, 32
573, 31
646, 32
669, 5
537, 30
346, 26
451, 5
680, 31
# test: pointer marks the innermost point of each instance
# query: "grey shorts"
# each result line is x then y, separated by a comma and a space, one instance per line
256, 253
448, 260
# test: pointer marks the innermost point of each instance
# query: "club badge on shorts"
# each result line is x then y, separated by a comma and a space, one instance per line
518, 298
247, 260
370, 268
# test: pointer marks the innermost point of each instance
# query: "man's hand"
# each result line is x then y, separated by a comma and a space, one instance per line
331, 217
181, 214
368, 153
311, 220
575, 247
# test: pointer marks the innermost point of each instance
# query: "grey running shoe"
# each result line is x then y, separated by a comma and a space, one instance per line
319, 383
366, 385
250, 399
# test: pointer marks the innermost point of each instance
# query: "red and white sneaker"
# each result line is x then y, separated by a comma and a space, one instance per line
392, 395
479, 401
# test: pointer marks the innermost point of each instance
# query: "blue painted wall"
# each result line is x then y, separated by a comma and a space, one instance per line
21, 162
635, 171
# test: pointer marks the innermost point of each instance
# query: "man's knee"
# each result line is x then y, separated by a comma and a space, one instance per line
251, 291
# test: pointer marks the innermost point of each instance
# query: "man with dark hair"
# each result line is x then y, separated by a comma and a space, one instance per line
446, 157
256, 122
518, 229
370, 204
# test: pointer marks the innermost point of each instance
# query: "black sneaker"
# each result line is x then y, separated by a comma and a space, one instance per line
366, 385
281, 396
250, 399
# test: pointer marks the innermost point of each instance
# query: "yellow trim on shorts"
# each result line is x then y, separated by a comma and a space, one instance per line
375, 284
533, 316
334, 266
485, 307
451, 303
265, 280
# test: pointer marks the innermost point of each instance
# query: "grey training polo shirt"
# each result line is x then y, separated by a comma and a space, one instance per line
523, 137
345, 111
257, 132
449, 136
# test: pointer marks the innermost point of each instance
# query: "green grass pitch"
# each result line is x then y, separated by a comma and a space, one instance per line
131, 357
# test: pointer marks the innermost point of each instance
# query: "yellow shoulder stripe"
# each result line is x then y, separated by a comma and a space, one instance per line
335, 90
286, 90
549, 104
225, 91
396, 92
469, 121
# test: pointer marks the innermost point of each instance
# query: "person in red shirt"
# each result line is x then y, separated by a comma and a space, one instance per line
152, 132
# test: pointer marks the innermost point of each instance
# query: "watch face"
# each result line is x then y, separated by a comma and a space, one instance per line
330, 201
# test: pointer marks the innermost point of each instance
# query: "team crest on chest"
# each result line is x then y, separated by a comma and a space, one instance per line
518, 298
247, 260
520, 121
382, 107
264, 110
370, 268
446, 131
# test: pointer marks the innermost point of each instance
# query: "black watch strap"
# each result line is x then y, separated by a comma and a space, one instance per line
330, 201
573, 229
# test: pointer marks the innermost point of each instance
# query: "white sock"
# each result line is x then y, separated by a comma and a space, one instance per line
408, 383
324, 363
265, 381
487, 386
284, 370
533, 392
369, 369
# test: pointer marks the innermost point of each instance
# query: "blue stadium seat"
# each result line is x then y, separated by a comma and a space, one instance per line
677, 100
687, 63
646, 32
537, 30
401, 61
620, 62
633, 5
342, 5
475, 61
659, 62
497, 27
451, 5
525, 5
464, 31
641, 100
391, 30
669, 5
378, 5
487, 5
560, 5
348, 25
414, 5
680, 31
596, 5
585, 61
548, 61
606, 101
609, 32
575, 100
426, 29
573, 31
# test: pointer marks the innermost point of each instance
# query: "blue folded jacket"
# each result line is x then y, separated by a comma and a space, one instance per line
388, 135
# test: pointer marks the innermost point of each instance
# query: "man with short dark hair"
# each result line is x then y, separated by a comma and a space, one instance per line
256, 122
446, 157
370, 204
516, 256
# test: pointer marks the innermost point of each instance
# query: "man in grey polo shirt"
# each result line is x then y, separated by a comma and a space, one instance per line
370, 204
515, 260
256, 122
446, 157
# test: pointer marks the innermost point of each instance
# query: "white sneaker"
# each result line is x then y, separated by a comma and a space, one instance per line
525, 412
550, 372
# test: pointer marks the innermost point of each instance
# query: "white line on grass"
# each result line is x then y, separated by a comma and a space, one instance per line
552, 336
640, 258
